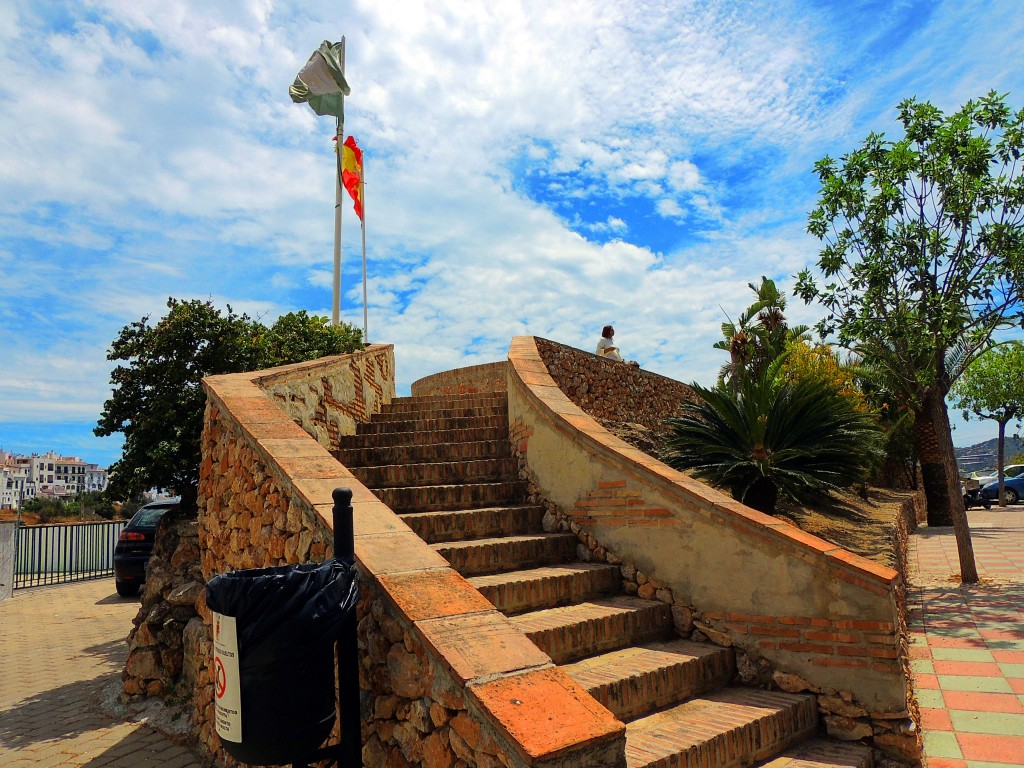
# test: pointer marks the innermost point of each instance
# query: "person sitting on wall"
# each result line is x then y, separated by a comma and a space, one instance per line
606, 346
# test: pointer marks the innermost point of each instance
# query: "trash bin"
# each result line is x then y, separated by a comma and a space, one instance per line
274, 634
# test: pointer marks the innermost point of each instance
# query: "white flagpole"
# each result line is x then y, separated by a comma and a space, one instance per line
362, 196
339, 136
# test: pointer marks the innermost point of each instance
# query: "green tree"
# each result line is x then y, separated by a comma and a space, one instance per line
993, 388
300, 336
158, 400
761, 335
922, 260
798, 437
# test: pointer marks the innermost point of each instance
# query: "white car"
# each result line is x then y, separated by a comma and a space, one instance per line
986, 476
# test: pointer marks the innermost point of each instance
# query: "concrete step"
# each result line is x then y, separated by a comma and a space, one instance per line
640, 679
471, 558
413, 424
433, 437
418, 454
731, 728
596, 626
435, 498
408, 404
439, 473
442, 411
465, 524
517, 591
823, 753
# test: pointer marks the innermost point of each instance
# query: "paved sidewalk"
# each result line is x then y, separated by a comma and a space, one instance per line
61, 648
967, 643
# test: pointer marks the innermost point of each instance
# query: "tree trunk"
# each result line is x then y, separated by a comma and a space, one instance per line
942, 477
762, 495
1001, 463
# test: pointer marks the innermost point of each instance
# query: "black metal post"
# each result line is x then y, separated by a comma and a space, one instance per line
351, 754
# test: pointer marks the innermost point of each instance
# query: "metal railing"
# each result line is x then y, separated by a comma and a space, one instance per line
53, 554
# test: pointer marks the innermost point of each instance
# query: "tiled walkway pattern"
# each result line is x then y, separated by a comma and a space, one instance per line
60, 646
968, 643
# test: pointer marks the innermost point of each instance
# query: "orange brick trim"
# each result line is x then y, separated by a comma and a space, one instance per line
614, 504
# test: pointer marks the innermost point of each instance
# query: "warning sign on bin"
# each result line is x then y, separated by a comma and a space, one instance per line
228, 698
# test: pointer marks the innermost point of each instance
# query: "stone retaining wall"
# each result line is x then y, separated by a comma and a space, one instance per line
801, 613
471, 380
612, 391
447, 681
329, 396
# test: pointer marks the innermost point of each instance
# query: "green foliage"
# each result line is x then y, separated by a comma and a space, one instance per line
993, 386
923, 245
158, 400
898, 467
922, 260
796, 437
805, 360
760, 337
86, 506
300, 336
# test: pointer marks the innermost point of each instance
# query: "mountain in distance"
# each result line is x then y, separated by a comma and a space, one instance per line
983, 455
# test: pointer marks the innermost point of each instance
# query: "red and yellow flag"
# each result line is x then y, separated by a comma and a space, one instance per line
352, 173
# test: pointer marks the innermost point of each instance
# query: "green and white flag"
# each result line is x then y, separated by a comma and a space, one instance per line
321, 83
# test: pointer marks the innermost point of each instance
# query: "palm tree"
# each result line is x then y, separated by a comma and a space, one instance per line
760, 336
772, 436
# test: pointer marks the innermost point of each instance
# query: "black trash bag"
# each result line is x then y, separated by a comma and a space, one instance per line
287, 620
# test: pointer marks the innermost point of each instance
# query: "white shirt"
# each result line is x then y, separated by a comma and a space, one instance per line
607, 348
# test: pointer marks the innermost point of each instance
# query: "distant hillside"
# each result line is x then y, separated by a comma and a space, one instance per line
983, 455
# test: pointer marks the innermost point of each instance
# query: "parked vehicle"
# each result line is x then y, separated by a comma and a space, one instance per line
986, 476
135, 545
1014, 489
972, 494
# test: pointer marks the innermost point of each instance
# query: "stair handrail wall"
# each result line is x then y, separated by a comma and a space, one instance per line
426, 635
810, 608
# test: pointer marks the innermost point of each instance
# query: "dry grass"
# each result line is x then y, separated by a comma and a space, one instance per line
866, 527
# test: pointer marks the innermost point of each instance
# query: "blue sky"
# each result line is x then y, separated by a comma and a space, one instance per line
532, 168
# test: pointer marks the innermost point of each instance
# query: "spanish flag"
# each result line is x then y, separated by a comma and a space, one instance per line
352, 173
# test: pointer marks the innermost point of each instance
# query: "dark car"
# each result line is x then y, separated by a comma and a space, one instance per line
135, 545
1014, 489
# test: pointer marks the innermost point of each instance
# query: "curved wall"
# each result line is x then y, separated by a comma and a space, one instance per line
807, 606
471, 380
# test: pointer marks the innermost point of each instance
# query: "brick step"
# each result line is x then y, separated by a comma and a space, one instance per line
432, 437
640, 679
438, 412
823, 753
465, 524
471, 558
438, 473
730, 728
436, 498
485, 399
433, 425
419, 454
596, 626
517, 591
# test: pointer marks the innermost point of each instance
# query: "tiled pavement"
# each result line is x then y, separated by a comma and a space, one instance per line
60, 648
968, 643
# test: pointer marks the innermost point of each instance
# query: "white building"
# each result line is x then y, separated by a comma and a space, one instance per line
49, 474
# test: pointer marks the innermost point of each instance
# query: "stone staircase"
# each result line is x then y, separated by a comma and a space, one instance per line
444, 465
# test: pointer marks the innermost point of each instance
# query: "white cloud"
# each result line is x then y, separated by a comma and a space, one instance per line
157, 154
